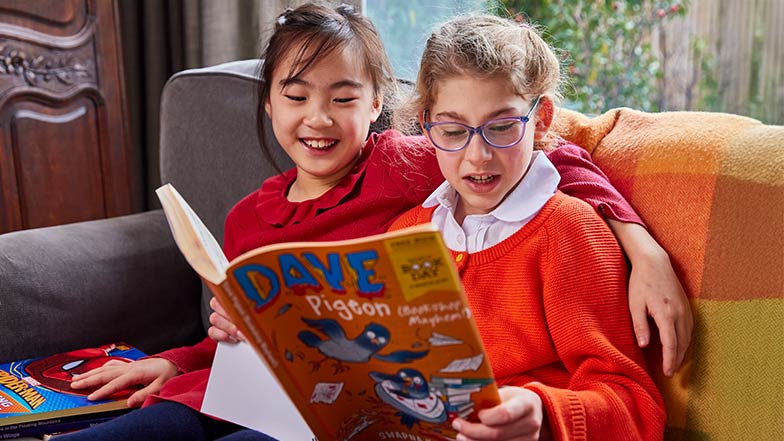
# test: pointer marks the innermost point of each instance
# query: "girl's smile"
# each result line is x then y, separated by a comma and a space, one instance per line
319, 145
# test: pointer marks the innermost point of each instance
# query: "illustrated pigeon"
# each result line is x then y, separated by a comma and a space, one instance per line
408, 392
406, 383
358, 350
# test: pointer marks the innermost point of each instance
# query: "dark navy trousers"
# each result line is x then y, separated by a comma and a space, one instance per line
165, 421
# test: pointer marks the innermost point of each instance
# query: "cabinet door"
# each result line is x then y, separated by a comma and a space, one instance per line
64, 142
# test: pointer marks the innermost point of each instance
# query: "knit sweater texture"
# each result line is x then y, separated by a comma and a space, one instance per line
551, 308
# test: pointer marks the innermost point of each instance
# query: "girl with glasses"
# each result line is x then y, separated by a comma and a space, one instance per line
543, 274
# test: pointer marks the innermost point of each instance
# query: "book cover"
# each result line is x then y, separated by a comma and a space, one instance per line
57, 425
37, 392
371, 338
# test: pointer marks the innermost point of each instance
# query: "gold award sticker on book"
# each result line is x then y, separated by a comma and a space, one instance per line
416, 265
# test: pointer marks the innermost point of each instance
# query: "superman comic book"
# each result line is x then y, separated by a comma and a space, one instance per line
370, 338
35, 394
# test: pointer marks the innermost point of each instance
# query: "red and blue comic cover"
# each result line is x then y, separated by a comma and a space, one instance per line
39, 389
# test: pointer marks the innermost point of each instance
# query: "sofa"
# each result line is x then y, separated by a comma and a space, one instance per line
709, 186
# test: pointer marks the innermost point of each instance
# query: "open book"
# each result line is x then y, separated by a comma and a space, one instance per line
370, 338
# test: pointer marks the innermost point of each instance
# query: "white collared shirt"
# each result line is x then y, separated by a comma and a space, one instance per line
482, 231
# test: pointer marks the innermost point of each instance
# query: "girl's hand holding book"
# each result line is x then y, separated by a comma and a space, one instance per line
520, 416
222, 329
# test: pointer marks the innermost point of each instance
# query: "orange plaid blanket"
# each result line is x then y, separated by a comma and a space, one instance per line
710, 187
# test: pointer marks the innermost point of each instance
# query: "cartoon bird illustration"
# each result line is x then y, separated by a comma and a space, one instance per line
435, 401
409, 393
359, 350
407, 383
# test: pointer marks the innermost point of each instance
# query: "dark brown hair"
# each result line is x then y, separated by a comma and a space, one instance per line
314, 31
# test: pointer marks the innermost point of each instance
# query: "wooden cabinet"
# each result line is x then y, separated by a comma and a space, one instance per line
64, 142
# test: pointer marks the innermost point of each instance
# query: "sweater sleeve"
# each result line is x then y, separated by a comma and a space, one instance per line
413, 167
191, 358
428, 173
240, 224
415, 216
583, 179
584, 280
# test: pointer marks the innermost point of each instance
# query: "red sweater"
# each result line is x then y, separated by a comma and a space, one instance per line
365, 202
559, 325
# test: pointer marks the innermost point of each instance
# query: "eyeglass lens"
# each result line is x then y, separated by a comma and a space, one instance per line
500, 133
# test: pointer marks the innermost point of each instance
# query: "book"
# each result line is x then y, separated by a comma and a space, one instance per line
241, 384
370, 338
41, 429
36, 395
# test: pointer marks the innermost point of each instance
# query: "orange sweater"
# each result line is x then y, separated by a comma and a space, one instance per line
550, 304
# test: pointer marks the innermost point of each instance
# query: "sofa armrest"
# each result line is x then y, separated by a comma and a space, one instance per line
709, 188
96, 282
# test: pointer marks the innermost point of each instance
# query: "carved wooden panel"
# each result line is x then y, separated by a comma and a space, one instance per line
64, 147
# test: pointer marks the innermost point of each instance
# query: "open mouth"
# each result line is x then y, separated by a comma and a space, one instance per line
481, 179
319, 144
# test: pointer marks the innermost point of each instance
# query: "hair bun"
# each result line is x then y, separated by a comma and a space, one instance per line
283, 17
345, 10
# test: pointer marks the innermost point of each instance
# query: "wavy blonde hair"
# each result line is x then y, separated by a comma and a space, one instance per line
486, 46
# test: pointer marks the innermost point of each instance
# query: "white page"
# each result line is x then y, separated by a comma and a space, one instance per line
242, 390
211, 246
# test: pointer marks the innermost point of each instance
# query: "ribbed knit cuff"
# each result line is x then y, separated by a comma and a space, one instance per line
565, 412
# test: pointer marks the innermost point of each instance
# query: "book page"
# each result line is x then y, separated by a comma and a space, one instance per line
242, 390
205, 237
193, 238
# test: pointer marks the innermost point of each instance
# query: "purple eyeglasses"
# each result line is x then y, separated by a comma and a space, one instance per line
500, 133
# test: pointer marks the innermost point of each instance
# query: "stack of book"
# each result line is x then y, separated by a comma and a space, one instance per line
36, 398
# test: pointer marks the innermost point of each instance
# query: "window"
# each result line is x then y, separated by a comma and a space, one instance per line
405, 25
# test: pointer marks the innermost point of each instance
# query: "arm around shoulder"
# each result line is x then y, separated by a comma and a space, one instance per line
583, 179
655, 290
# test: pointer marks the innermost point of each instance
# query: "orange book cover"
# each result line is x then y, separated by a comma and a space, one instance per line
371, 338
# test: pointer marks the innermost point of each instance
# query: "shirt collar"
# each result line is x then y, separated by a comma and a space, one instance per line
444, 195
534, 190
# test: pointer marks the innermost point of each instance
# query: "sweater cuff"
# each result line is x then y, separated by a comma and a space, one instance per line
565, 412
619, 212
191, 358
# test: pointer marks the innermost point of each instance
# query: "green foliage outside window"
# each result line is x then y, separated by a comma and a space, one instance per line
605, 47
608, 54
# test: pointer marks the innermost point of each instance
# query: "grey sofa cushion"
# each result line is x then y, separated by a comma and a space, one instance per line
90, 283
209, 145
